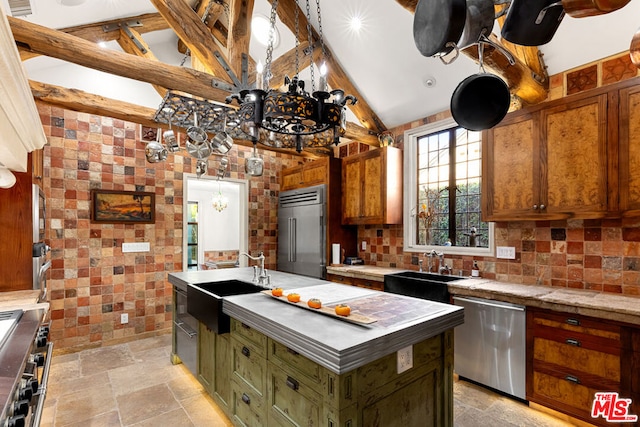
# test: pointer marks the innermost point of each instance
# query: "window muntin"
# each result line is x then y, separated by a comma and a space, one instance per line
442, 190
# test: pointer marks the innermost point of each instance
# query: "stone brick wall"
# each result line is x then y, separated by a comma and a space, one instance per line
91, 281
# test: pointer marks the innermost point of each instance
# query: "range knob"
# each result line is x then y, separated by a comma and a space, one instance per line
25, 393
21, 407
44, 330
41, 340
16, 421
38, 359
32, 384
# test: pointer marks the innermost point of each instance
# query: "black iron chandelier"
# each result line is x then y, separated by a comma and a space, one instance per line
295, 118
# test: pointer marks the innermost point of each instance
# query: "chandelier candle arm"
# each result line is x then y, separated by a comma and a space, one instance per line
322, 86
259, 76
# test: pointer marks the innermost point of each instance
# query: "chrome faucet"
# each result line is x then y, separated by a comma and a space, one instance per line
262, 275
442, 267
429, 256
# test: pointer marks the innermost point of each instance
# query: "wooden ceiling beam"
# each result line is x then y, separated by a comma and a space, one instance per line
524, 82
77, 100
212, 22
63, 46
95, 32
194, 33
240, 14
132, 42
336, 76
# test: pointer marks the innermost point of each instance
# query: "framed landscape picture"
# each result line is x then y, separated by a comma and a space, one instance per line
112, 206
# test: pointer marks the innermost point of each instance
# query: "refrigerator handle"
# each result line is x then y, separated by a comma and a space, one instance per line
289, 242
293, 240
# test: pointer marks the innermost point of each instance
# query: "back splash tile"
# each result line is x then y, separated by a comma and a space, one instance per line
558, 257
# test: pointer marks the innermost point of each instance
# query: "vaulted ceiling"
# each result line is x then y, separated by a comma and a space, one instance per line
148, 41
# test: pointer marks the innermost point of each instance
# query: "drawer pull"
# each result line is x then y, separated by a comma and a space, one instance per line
289, 350
572, 379
246, 399
244, 325
573, 342
292, 384
573, 322
245, 351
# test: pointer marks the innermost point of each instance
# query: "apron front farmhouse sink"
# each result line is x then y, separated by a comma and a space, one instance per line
419, 284
204, 301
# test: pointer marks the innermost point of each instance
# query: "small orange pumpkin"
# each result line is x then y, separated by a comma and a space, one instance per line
343, 310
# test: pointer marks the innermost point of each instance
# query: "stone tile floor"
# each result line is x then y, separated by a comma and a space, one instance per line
135, 384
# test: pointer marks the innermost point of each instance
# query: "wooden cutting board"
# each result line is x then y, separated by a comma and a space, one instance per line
328, 310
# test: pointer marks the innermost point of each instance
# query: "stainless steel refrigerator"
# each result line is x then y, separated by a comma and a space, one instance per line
302, 231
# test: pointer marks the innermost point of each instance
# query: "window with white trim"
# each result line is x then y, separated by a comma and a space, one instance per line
442, 191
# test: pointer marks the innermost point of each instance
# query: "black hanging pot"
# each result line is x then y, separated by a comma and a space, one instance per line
532, 22
482, 100
438, 25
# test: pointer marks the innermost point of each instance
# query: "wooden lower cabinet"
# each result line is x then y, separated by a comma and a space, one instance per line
571, 357
356, 281
272, 385
214, 365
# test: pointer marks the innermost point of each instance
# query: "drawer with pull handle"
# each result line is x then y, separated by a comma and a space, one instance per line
248, 334
291, 361
249, 365
248, 408
293, 399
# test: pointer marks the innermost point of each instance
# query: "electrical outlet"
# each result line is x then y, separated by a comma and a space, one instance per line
506, 252
405, 359
136, 247
124, 318
364, 245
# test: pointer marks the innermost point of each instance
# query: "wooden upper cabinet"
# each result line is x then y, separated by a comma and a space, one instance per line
549, 163
372, 187
511, 163
629, 151
306, 175
576, 158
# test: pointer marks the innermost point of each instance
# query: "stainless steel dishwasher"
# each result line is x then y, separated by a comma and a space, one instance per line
490, 345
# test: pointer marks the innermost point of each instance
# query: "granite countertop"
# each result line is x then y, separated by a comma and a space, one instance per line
369, 272
336, 344
24, 300
622, 308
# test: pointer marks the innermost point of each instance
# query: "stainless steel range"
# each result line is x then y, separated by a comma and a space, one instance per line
25, 359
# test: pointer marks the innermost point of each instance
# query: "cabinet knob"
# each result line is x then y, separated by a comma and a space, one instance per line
246, 352
535, 207
542, 207
246, 399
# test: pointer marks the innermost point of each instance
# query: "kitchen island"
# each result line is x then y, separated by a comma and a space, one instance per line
290, 366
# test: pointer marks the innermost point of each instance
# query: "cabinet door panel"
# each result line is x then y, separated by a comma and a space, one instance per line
576, 157
222, 378
629, 155
509, 169
373, 191
352, 184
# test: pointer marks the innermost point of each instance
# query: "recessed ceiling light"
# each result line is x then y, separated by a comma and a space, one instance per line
71, 2
261, 28
355, 23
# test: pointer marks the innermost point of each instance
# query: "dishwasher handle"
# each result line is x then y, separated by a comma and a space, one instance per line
490, 304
